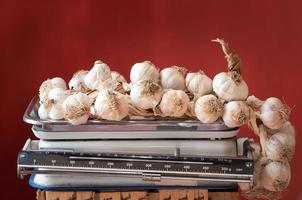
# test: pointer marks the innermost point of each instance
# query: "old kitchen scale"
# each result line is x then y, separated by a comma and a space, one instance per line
135, 153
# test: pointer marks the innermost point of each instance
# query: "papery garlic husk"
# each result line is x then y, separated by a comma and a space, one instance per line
118, 77
144, 71
111, 105
276, 176
274, 113
236, 113
174, 103
287, 127
173, 78
76, 108
99, 75
77, 81
146, 94
208, 108
229, 85
49, 84
199, 83
54, 101
280, 146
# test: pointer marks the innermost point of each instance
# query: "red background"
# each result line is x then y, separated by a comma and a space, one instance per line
56, 38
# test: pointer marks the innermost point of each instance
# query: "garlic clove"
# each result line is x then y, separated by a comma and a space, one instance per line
144, 71
77, 81
173, 78
199, 83
99, 73
174, 103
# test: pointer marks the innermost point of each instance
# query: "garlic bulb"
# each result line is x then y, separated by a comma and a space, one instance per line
276, 176
229, 85
53, 104
208, 108
118, 77
173, 78
76, 108
49, 84
98, 76
280, 146
43, 112
254, 102
274, 113
77, 81
287, 127
144, 71
199, 83
146, 94
111, 105
174, 103
236, 113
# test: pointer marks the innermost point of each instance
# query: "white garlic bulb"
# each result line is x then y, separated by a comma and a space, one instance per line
174, 103
229, 85
199, 83
274, 113
43, 112
76, 108
146, 94
276, 176
173, 78
53, 103
77, 81
287, 127
144, 71
280, 146
111, 105
99, 75
208, 108
236, 113
49, 84
118, 77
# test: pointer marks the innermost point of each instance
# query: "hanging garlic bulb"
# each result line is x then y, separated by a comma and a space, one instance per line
99, 77
229, 85
199, 83
274, 113
236, 113
208, 108
287, 127
144, 71
77, 81
76, 108
173, 78
281, 146
52, 106
174, 103
111, 105
254, 102
146, 94
118, 77
276, 176
49, 84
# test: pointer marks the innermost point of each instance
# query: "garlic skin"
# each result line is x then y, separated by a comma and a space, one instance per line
76, 108
118, 77
274, 113
226, 88
49, 84
111, 105
99, 75
236, 113
144, 71
146, 94
276, 176
77, 81
173, 78
54, 103
174, 103
208, 108
43, 112
199, 83
280, 146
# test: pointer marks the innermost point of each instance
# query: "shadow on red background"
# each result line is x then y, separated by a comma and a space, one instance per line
56, 38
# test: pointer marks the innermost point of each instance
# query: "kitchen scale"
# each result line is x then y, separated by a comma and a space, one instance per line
135, 153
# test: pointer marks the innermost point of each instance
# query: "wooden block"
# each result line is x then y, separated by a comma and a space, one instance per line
89, 195
109, 196
223, 196
60, 195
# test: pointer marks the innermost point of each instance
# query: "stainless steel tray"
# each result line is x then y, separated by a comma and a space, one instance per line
131, 127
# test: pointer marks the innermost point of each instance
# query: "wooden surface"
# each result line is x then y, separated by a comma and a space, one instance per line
137, 195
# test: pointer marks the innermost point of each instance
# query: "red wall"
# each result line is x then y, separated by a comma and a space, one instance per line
56, 38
